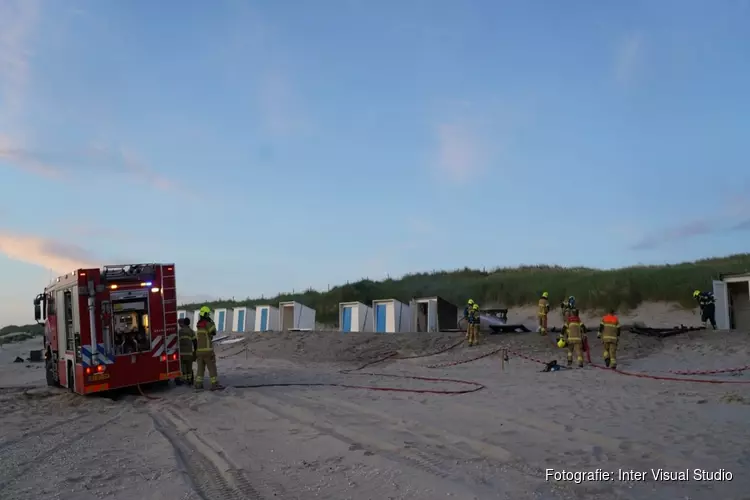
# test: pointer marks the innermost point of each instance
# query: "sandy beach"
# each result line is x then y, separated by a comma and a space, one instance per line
334, 442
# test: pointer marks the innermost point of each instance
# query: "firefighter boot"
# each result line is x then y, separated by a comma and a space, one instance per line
579, 355
198, 383
570, 357
612, 360
215, 385
606, 359
542, 325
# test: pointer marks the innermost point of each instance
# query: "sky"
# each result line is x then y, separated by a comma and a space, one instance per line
267, 147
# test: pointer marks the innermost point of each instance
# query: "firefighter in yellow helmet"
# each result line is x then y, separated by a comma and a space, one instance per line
187, 346
472, 332
609, 332
206, 357
543, 312
573, 333
467, 315
474, 325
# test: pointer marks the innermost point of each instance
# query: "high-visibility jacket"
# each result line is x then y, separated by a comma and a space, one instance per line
565, 310
543, 307
187, 341
473, 316
609, 328
574, 330
204, 333
706, 299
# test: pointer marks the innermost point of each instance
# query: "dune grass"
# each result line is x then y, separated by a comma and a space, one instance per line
623, 288
15, 333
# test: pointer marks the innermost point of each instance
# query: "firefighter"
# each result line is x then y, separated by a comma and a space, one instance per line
573, 334
467, 314
188, 346
707, 304
205, 332
609, 332
474, 324
543, 312
565, 307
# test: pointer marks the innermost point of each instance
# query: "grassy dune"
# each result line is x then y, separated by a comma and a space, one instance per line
594, 288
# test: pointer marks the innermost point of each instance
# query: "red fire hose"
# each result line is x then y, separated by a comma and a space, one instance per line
658, 377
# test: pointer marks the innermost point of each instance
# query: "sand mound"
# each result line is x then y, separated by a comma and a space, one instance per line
335, 347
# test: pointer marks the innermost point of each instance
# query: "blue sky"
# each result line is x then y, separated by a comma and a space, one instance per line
270, 146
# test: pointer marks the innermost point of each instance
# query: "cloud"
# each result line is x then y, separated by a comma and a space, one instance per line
735, 216
15, 154
45, 253
681, 232
628, 58
101, 158
18, 21
128, 162
460, 152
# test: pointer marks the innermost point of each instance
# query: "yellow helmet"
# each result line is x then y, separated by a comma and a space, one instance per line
545, 295
696, 294
205, 310
471, 302
561, 343
475, 307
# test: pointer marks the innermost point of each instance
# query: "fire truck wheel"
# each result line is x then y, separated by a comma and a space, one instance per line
71, 383
50, 367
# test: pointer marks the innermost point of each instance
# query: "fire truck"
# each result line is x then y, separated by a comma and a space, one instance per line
110, 328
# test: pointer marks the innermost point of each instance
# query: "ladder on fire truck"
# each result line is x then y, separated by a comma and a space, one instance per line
169, 300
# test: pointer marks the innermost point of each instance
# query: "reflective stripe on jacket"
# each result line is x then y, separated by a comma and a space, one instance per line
609, 328
473, 316
543, 307
706, 299
187, 337
205, 331
574, 329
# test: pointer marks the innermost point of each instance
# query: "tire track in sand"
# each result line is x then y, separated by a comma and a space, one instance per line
18, 446
209, 471
407, 447
35, 433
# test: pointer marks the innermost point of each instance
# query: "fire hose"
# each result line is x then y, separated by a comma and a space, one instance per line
620, 371
473, 386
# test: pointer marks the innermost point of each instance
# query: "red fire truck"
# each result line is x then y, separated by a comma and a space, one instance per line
110, 328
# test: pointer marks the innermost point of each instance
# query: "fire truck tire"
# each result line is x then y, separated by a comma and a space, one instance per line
71, 382
50, 375
50, 367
